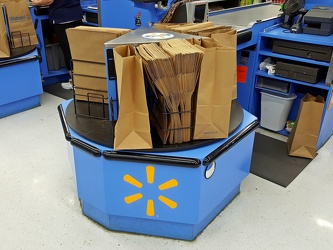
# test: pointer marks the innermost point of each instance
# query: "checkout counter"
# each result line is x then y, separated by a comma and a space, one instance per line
20, 84
144, 13
19, 93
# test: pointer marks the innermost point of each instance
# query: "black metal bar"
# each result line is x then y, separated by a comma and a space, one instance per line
86, 147
18, 60
329, 76
229, 143
152, 159
64, 123
244, 36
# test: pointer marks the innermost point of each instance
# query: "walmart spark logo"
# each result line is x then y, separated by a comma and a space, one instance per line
150, 173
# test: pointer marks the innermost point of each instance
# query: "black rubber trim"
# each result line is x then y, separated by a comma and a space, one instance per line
86, 147
18, 60
152, 159
74, 141
230, 143
111, 65
63, 121
244, 36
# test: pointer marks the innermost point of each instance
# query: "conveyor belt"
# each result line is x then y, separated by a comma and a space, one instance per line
244, 17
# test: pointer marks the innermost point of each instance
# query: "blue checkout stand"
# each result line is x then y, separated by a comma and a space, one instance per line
173, 192
21, 84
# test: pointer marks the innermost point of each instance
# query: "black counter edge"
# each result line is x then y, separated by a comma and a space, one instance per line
86, 147
230, 143
152, 159
74, 141
18, 60
244, 36
63, 121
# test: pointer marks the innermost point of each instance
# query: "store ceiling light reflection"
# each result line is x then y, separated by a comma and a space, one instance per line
150, 174
325, 223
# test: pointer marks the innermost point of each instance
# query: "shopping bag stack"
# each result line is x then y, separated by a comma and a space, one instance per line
20, 26
88, 61
186, 60
173, 68
16, 26
192, 85
159, 67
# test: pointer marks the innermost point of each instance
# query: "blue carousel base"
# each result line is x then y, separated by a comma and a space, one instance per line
167, 229
173, 194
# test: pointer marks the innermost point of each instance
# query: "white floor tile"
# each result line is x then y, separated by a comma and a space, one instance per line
39, 208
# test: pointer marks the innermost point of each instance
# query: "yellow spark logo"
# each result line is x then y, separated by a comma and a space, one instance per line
150, 174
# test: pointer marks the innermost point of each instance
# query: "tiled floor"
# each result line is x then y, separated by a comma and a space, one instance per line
39, 208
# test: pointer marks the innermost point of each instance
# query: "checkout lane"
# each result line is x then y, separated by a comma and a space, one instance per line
248, 21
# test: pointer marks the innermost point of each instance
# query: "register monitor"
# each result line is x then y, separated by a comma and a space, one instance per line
191, 12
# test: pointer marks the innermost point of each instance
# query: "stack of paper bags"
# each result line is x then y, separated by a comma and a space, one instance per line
187, 63
173, 68
89, 67
20, 25
226, 35
160, 70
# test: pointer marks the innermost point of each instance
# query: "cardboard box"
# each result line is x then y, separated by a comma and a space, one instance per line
87, 43
90, 82
91, 95
89, 68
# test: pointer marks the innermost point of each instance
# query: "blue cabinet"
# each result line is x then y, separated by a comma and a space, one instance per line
293, 85
18, 94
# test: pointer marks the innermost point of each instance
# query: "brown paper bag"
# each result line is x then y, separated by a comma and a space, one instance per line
4, 45
21, 28
227, 37
87, 43
207, 31
218, 71
188, 28
132, 129
303, 138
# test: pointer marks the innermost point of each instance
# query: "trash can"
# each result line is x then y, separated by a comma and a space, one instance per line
275, 110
